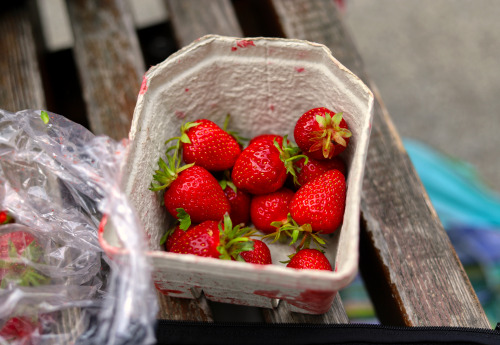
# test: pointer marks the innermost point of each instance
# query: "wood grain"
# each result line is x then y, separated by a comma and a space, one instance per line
109, 61
20, 80
191, 20
111, 66
282, 314
183, 309
419, 267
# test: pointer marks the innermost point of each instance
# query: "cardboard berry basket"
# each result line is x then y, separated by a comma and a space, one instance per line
266, 84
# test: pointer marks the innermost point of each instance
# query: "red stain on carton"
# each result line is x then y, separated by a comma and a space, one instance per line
180, 114
244, 43
144, 86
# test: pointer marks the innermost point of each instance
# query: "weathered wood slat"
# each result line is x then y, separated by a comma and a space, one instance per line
183, 309
191, 19
411, 249
109, 61
20, 81
282, 314
111, 66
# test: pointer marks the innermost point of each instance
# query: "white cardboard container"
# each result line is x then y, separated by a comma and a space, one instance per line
266, 84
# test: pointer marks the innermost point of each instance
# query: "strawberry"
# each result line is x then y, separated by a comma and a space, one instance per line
201, 240
14, 247
269, 137
260, 255
199, 194
321, 202
18, 330
5, 218
207, 145
239, 202
173, 234
216, 240
314, 168
269, 211
307, 258
321, 133
262, 167
191, 188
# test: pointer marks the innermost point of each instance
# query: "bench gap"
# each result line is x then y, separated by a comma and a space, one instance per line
257, 18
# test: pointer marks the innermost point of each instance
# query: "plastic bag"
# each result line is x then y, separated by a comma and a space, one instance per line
57, 285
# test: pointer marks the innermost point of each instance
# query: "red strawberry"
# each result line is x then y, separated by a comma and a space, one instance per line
207, 145
263, 166
5, 218
173, 234
321, 202
321, 133
199, 194
201, 240
191, 188
239, 202
18, 330
267, 137
309, 259
14, 247
260, 255
216, 240
270, 208
314, 168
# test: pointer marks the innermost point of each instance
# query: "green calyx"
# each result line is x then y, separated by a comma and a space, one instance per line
226, 182
292, 230
330, 133
18, 272
239, 139
184, 223
234, 240
288, 154
184, 128
168, 171
44, 116
5, 217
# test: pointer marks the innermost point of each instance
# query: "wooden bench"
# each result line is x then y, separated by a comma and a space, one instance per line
410, 268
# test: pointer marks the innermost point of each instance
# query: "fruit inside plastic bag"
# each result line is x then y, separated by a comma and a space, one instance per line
57, 180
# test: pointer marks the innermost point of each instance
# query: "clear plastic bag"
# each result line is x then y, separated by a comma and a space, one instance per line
57, 285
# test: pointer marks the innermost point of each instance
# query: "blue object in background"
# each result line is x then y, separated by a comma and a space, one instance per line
470, 214
455, 189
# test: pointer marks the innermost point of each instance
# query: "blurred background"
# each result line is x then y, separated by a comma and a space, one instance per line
434, 61
436, 65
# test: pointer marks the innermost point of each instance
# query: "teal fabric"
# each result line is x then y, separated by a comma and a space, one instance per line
470, 213
454, 187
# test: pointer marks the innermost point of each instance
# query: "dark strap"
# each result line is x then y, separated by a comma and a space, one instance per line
186, 332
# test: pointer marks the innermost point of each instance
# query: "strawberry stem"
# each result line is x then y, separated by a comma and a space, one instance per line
168, 171
330, 133
294, 231
239, 139
288, 154
234, 240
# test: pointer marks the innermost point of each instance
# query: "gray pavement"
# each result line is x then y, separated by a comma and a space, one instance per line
436, 63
